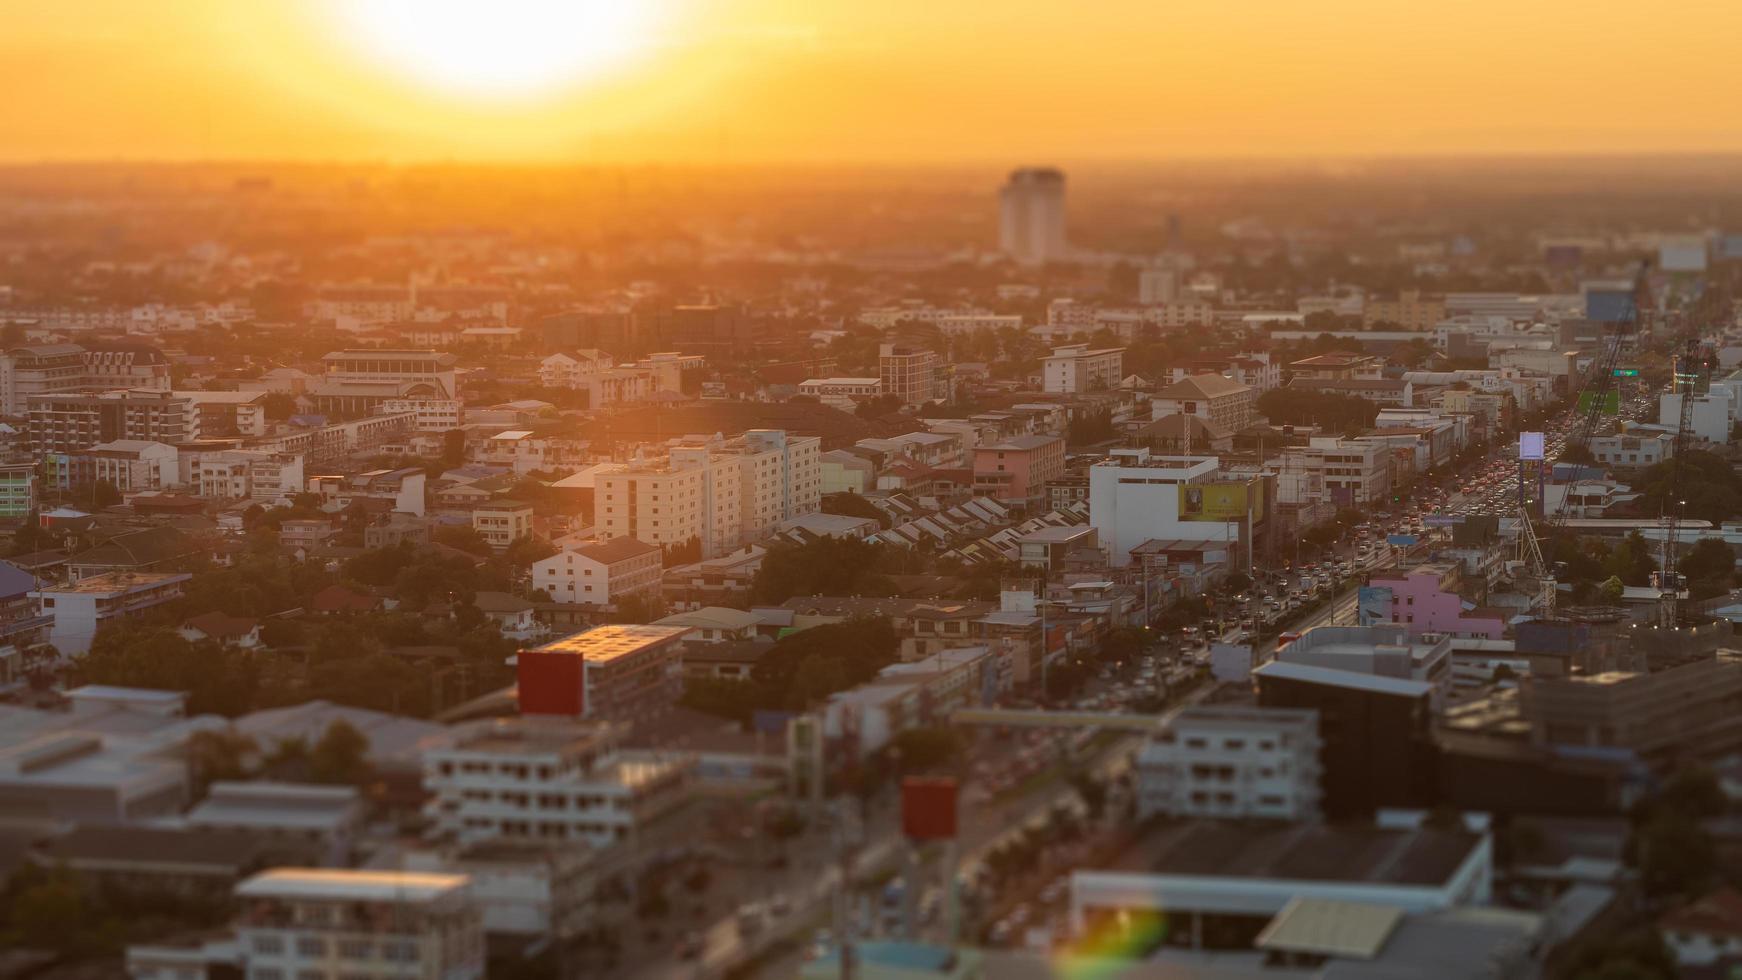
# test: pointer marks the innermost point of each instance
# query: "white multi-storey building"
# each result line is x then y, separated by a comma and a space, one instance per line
333, 924
359, 381
841, 392
130, 465
241, 474
80, 608
720, 492
1346, 473
1076, 370
1134, 497
909, 373
547, 779
1232, 763
600, 573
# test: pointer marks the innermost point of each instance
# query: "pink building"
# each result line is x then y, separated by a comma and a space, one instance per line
1420, 601
1016, 470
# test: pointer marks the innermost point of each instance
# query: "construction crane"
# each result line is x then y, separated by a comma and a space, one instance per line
1690, 377
1593, 394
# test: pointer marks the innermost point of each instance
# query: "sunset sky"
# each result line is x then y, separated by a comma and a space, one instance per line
738, 81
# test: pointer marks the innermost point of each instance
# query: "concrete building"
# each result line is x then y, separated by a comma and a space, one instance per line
1258, 370
1385, 650
1347, 473
1337, 367
403, 488
228, 413
357, 382
80, 608
601, 573
243, 474
522, 779
721, 493
1135, 497
1711, 420
1633, 450
68, 423
1076, 370
1408, 310
616, 673
130, 465
1031, 216
328, 819
570, 369
501, 522
1421, 602
1223, 402
1688, 704
333, 924
536, 891
842, 393
1016, 471
911, 374
41, 369
1232, 763
1201, 875
17, 489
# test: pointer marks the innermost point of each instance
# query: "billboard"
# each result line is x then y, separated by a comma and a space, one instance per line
1531, 445
928, 808
713, 389
1225, 501
1401, 540
1443, 520
1373, 605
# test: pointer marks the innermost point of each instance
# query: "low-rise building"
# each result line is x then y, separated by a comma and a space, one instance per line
1075, 369
502, 521
131, 465
602, 573
550, 780
1016, 471
841, 392
83, 606
1223, 402
1232, 763
618, 672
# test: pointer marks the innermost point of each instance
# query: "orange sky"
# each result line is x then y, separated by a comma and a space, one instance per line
895, 80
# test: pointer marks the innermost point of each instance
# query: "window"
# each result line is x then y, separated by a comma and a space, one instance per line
356, 949
269, 945
311, 946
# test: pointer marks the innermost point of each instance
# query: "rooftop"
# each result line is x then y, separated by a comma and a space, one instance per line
115, 583
1353, 680
1303, 852
350, 886
606, 643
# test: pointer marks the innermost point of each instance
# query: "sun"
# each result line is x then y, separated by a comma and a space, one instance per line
501, 49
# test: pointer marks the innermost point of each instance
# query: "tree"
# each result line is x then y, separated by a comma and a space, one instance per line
923, 749
48, 909
464, 538
1631, 560
824, 566
341, 757
853, 505
1675, 856
1710, 566
279, 406
1638, 955
523, 551
216, 756
1303, 407
216, 679
1090, 428
104, 494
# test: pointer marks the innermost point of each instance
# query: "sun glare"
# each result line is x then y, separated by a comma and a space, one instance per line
501, 49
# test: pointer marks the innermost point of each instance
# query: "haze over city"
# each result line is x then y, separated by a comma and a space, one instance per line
728, 489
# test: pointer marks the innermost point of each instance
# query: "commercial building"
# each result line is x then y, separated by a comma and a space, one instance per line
1387, 650
1223, 402
1218, 884
1135, 497
601, 573
357, 382
1687, 705
1016, 471
331, 924
1377, 733
1232, 763
501, 522
81, 607
543, 779
1031, 216
720, 493
69, 423
1340, 472
1076, 370
911, 374
617, 673
357, 437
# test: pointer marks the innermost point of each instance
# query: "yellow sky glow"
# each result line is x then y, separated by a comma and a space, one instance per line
738, 81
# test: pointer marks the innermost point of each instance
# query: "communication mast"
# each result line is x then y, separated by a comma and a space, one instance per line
1692, 374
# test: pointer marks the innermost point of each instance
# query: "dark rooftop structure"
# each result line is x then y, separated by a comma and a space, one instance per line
1298, 852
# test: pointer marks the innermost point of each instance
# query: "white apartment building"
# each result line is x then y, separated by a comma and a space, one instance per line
1234, 763
1135, 497
40, 369
721, 492
1385, 650
841, 393
550, 780
131, 465
1633, 449
909, 373
568, 369
71, 423
81, 608
1346, 473
243, 474
1075, 369
340, 924
532, 890
600, 573
1222, 402
502, 521
432, 414
1710, 420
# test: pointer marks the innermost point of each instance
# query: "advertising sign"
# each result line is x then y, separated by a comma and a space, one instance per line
1530, 445
1226, 501
928, 808
1401, 540
1442, 520
713, 389
1373, 605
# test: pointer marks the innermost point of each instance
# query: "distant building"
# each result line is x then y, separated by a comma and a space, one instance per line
1409, 310
357, 382
130, 465
1016, 471
83, 606
1076, 370
843, 393
1222, 402
911, 374
617, 673
1031, 216
501, 522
